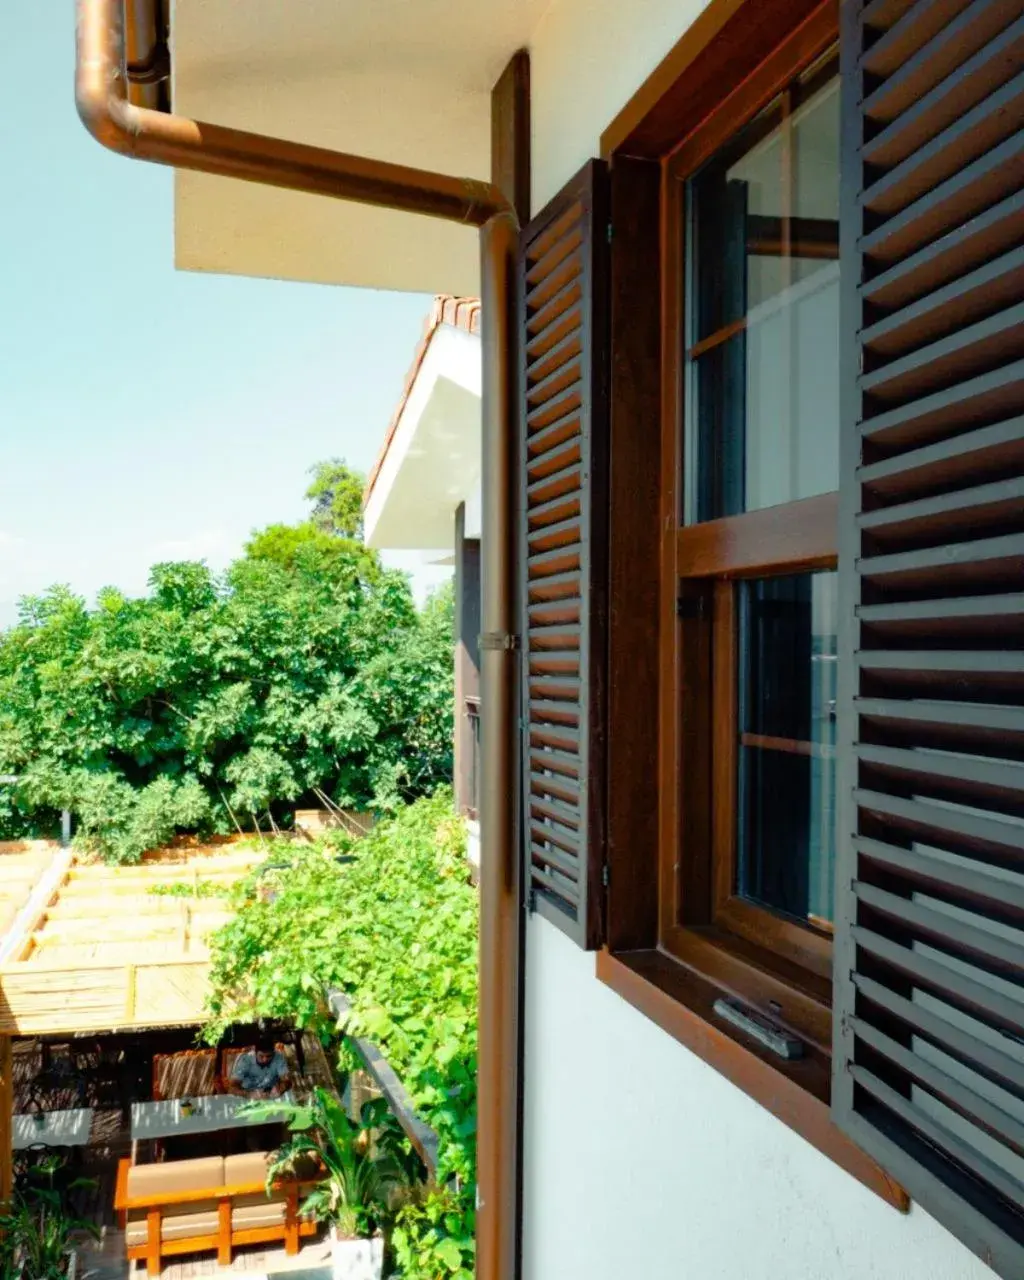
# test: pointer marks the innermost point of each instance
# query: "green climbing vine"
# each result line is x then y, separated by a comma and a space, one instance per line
393, 925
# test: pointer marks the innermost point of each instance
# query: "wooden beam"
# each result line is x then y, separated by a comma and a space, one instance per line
6, 1119
510, 134
420, 1134
129, 998
502, 918
18, 937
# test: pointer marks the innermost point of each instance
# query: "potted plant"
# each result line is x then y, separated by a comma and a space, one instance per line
37, 1233
358, 1182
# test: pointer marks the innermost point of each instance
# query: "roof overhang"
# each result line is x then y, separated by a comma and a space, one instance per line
407, 83
430, 461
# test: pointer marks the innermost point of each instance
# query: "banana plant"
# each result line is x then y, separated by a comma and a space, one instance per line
359, 1182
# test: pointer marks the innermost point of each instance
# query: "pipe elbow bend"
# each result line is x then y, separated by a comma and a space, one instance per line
108, 118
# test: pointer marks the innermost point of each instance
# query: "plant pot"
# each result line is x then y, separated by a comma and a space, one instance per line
356, 1259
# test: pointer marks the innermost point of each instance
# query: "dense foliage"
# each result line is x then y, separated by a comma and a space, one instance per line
216, 699
395, 928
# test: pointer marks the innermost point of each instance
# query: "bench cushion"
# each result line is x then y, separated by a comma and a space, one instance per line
249, 1166
179, 1226
244, 1217
174, 1176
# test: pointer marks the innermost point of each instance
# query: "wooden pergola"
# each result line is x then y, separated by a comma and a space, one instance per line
86, 948
101, 949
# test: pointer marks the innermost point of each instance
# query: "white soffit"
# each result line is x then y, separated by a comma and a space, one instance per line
407, 81
433, 460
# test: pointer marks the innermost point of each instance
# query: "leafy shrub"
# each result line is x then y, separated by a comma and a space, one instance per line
395, 928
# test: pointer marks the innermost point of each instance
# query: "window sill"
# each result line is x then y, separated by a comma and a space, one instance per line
680, 1002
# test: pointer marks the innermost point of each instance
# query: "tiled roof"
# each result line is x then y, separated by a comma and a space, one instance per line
460, 313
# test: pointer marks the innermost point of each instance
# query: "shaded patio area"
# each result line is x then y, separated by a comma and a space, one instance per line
103, 981
106, 1076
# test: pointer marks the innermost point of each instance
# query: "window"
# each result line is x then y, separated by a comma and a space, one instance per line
733, 384
786, 745
748, 866
762, 313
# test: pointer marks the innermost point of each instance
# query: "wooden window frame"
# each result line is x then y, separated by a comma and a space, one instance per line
700, 912
653, 562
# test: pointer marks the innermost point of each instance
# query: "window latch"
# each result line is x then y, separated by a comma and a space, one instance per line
773, 1037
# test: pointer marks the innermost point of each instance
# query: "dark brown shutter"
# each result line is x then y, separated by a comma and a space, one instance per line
563, 516
929, 988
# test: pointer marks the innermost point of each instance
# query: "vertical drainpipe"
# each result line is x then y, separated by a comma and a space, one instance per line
497, 1139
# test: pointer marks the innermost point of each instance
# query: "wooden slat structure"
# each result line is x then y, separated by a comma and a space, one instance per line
103, 952
22, 864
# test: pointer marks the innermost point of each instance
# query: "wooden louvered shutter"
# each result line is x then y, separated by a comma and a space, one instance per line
563, 311
929, 963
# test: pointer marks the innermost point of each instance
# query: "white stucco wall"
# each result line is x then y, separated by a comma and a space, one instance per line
587, 59
642, 1161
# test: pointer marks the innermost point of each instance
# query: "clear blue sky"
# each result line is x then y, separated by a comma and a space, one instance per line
145, 413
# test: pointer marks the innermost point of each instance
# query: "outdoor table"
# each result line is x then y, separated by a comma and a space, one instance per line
210, 1113
58, 1129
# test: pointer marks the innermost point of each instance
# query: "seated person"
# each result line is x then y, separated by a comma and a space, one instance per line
261, 1072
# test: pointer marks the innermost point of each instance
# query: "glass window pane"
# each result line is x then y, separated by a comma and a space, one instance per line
763, 321
787, 696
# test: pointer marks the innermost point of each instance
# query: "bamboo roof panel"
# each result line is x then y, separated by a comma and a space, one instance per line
105, 952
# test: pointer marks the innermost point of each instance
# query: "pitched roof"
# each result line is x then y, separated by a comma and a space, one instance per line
449, 309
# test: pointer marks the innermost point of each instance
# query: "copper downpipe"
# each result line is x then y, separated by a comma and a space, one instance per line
147, 62
101, 92
102, 95
498, 1033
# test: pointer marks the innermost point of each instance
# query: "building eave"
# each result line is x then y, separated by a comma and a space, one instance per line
443, 382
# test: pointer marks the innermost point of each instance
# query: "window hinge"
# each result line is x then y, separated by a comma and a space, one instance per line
691, 606
608, 232
604, 875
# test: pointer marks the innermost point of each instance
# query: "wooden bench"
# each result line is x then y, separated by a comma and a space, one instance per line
207, 1205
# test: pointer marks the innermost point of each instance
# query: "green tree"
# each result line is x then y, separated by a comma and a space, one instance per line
336, 492
213, 699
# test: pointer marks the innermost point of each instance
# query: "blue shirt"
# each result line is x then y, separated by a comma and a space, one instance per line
249, 1075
